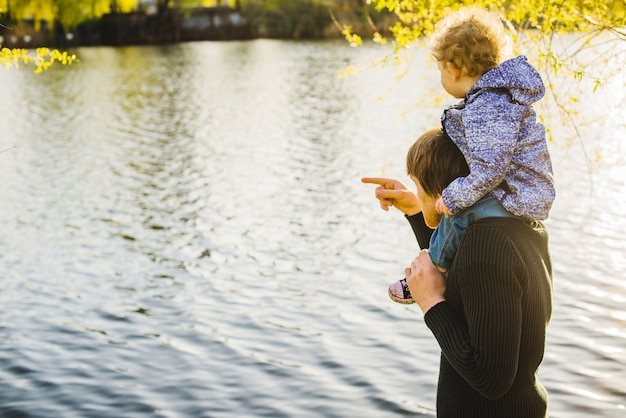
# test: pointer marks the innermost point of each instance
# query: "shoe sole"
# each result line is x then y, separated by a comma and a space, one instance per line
399, 300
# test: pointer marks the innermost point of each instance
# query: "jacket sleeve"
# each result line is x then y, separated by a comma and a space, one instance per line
483, 342
492, 125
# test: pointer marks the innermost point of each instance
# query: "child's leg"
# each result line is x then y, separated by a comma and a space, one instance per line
445, 240
399, 291
439, 252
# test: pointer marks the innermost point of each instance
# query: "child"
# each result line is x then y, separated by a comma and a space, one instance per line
495, 128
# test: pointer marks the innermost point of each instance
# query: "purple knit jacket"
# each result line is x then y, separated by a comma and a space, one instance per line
495, 128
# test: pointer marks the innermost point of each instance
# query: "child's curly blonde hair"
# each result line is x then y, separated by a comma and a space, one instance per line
474, 40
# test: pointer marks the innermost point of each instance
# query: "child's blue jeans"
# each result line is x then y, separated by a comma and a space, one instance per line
445, 239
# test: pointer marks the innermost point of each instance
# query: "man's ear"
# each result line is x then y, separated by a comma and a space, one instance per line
456, 72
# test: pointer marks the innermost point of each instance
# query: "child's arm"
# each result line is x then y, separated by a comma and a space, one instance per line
491, 131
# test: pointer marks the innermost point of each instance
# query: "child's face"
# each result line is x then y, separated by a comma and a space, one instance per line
450, 79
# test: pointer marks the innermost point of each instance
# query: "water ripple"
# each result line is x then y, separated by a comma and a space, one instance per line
185, 234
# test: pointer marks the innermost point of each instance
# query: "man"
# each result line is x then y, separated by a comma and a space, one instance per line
490, 314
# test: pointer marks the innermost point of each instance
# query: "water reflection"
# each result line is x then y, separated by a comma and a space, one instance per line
185, 223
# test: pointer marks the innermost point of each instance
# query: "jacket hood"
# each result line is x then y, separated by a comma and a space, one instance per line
518, 77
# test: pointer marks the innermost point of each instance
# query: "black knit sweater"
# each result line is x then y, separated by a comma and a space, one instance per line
492, 326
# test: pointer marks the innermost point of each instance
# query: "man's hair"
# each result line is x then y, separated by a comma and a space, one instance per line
472, 39
434, 160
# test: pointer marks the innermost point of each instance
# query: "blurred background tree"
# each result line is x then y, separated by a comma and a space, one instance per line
534, 24
569, 41
537, 21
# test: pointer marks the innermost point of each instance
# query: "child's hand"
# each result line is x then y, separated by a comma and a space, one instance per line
441, 207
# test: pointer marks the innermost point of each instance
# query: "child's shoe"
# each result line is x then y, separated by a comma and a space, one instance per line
399, 292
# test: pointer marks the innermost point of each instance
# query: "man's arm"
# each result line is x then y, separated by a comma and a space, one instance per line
421, 231
483, 343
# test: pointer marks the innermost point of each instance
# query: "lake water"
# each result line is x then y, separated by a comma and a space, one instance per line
183, 233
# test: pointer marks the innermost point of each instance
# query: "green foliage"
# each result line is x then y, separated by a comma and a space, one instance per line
40, 58
68, 12
417, 17
581, 41
545, 18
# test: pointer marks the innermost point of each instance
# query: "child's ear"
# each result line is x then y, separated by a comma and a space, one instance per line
456, 72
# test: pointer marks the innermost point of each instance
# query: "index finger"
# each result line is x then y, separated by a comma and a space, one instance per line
381, 181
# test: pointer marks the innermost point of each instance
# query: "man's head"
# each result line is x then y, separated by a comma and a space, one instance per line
432, 162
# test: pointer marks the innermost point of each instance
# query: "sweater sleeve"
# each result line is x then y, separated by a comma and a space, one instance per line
482, 343
421, 231
491, 130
